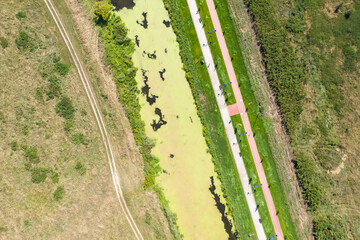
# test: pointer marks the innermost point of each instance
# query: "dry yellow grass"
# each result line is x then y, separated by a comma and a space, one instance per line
89, 209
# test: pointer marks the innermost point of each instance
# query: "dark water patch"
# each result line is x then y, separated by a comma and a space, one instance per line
166, 23
172, 155
145, 90
144, 22
120, 4
156, 125
221, 207
137, 41
162, 74
150, 55
165, 50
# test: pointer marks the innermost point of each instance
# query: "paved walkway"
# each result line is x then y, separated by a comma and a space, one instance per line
244, 116
245, 120
226, 120
233, 109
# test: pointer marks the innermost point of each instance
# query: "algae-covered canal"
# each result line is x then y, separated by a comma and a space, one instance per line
168, 110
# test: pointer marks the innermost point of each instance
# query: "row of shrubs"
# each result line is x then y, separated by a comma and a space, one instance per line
118, 53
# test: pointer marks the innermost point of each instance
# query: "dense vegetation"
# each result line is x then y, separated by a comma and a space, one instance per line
315, 44
118, 53
284, 71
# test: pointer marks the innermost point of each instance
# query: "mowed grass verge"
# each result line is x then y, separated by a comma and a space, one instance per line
253, 175
255, 113
213, 130
216, 52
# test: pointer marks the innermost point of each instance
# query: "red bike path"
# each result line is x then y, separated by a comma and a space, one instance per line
245, 119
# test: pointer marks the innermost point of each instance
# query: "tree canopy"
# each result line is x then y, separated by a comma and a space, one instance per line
102, 10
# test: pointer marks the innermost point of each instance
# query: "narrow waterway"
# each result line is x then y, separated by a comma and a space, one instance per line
170, 117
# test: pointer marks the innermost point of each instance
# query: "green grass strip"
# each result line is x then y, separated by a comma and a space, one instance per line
216, 52
253, 176
256, 120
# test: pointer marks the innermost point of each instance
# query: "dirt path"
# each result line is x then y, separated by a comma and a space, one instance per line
98, 117
245, 119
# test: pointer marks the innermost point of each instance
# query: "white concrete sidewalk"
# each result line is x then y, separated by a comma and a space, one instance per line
226, 119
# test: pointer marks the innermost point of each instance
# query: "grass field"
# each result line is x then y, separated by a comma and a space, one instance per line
180, 145
53, 166
325, 36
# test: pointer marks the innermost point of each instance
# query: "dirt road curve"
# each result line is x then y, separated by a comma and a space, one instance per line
245, 119
98, 117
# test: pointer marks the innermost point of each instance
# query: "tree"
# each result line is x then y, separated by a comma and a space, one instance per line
102, 10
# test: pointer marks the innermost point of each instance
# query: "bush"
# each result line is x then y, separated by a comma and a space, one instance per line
4, 42
59, 193
38, 175
148, 218
25, 42
307, 177
20, 15
350, 57
102, 10
326, 152
39, 92
65, 108
30, 153
69, 124
26, 130
14, 145
55, 178
328, 228
80, 167
120, 34
53, 90
62, 68
78, 138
